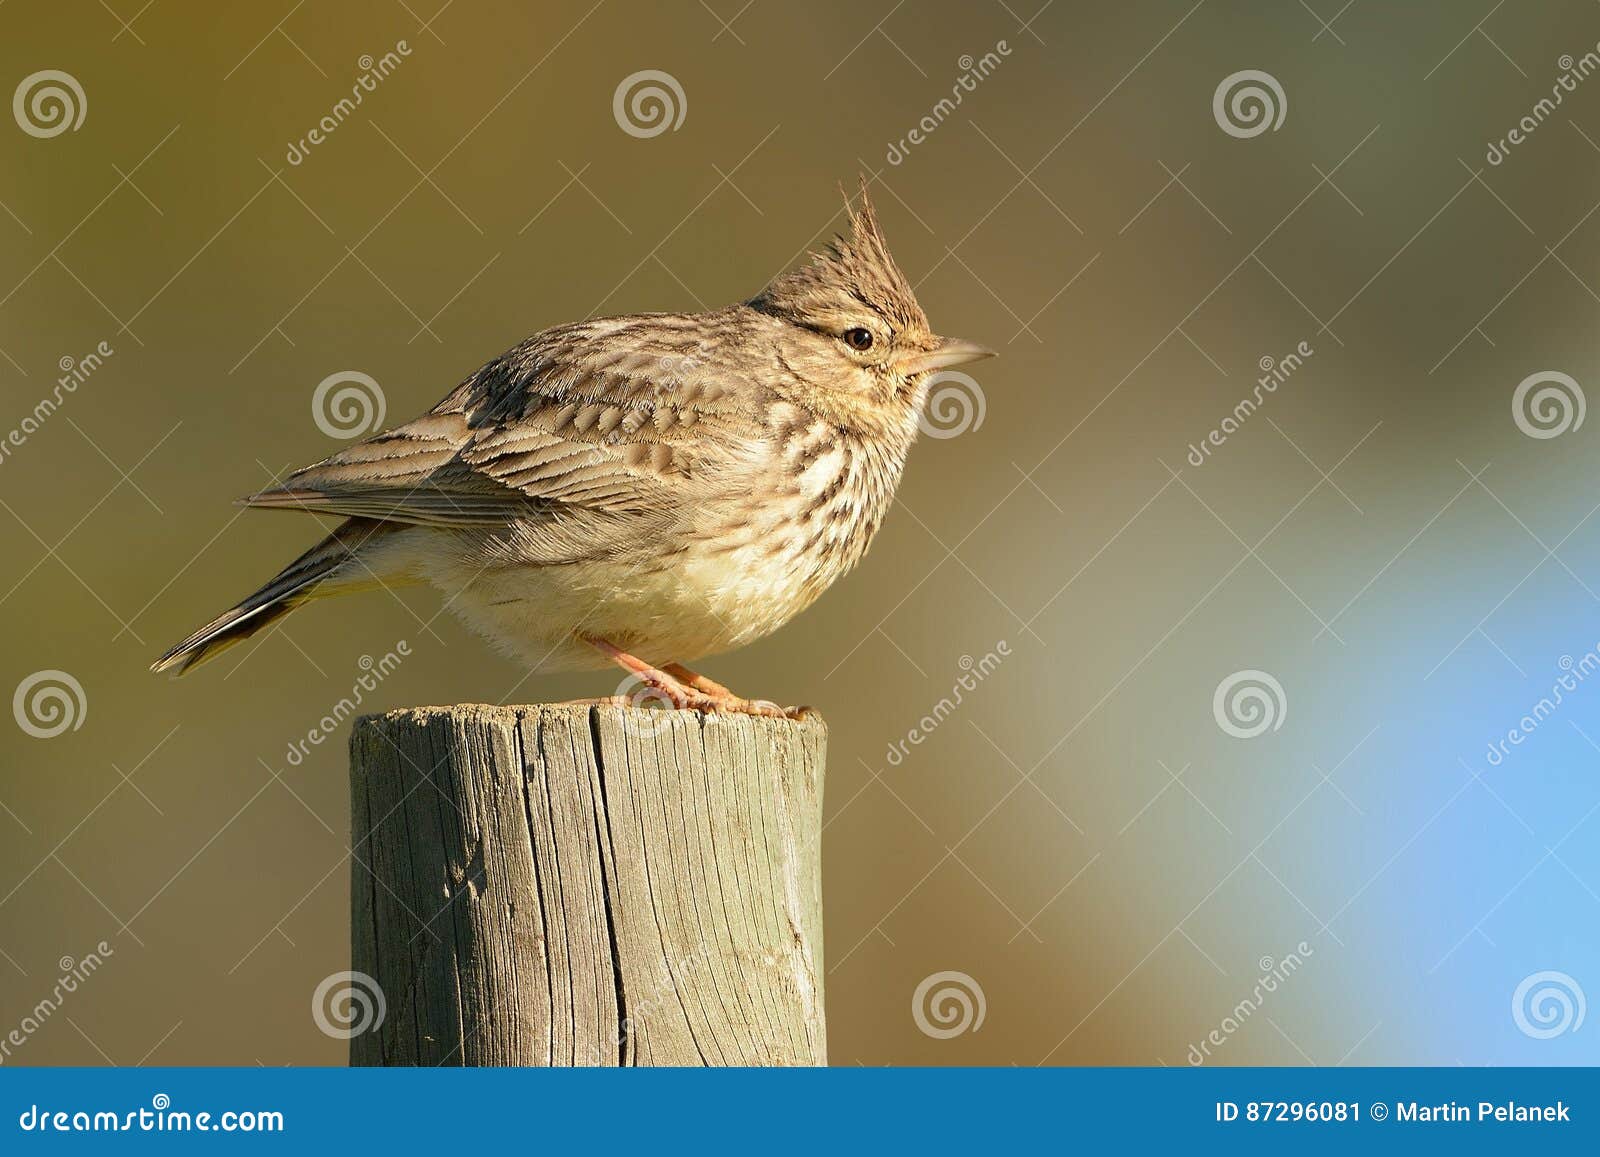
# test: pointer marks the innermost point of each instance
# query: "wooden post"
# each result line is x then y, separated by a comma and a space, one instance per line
583, 884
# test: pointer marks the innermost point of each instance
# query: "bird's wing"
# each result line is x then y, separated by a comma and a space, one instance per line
411, 473
605, 426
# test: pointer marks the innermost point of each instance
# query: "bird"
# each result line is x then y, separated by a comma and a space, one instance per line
643, 490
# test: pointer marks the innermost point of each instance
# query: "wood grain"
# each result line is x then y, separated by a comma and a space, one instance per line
582, 884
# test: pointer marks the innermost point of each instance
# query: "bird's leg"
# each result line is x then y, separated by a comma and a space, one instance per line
682, 694
698, 681
732, 702
693, 694
674, 691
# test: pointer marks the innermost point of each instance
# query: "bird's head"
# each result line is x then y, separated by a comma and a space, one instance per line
860, 339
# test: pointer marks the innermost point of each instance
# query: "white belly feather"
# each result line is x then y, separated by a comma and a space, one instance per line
717, 591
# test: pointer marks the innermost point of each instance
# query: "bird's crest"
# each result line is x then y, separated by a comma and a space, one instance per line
858, 265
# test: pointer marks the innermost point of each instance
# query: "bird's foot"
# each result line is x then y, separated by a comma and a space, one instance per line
682, 698
698, 681
686, 690
728, 700
697, 695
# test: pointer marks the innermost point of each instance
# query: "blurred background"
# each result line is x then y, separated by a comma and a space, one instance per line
1163, 729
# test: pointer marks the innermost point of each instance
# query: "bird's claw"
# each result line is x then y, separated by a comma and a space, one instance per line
711, 705
686, 690
727, 705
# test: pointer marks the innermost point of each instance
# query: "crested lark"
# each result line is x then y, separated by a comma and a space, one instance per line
640, 490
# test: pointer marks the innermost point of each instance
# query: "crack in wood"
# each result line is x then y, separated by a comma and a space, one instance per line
612, 886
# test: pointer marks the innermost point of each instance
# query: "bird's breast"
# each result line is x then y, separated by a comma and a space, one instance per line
805, 520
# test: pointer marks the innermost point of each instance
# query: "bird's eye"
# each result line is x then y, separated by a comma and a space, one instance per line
858, 338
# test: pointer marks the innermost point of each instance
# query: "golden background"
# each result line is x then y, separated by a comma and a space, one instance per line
1079, 838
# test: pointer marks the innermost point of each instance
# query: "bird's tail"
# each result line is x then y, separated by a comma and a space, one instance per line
309, 577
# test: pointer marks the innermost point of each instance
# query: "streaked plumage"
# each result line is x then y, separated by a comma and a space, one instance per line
675, 485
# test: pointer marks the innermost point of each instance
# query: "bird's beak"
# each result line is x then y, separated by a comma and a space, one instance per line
951, 351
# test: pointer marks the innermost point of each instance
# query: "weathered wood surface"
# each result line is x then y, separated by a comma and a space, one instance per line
584, 884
